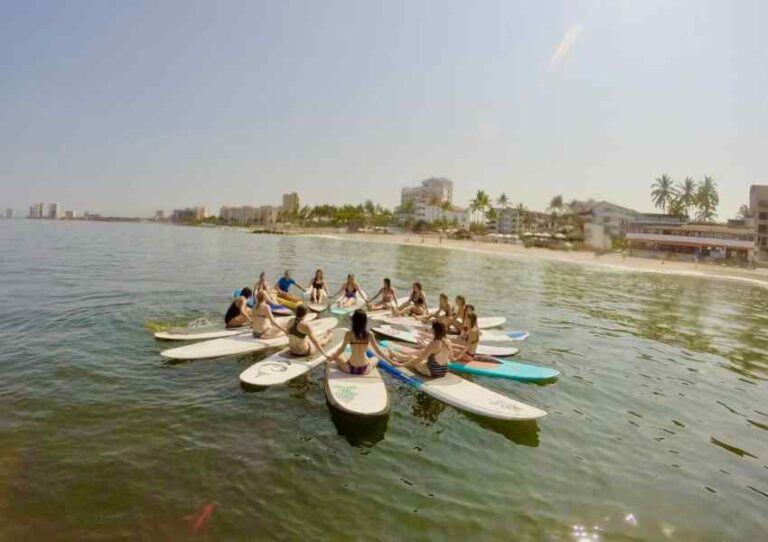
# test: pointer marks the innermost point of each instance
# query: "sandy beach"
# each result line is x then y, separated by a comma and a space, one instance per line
757, 277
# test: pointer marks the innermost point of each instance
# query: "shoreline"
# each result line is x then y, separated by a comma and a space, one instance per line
757, 277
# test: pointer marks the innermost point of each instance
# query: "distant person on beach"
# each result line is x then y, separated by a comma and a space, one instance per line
416, 304
301, 339
349, 290
388, 297
317, 288
263, 324
430, 360
284, 284
238, 314
359, 339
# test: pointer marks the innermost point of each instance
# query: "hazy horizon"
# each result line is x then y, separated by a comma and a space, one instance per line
124, 108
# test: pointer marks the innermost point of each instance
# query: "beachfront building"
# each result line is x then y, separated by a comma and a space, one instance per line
508, 221
268, 215
291, 204
758, 204
159, 215
451, 214
70, 214
603, 222
189, 214
656, 234
9, 213
240, 216
419, 203
53, 211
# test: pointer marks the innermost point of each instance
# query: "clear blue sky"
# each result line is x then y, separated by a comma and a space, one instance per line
126, 107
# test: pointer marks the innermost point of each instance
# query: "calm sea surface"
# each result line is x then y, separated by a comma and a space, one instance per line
657, 429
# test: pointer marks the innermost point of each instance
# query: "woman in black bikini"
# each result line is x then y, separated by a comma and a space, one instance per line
388, 297
359, 339
416, 304
301, 339
317, 287
238, 314
432, 359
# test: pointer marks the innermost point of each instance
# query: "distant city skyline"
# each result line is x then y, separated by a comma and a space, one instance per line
123, 109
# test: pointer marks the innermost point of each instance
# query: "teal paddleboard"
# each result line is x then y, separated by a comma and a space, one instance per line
512, 370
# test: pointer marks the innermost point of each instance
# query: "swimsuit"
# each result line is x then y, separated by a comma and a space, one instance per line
294, 330
350, 294
232, 312
358, 369
435, 369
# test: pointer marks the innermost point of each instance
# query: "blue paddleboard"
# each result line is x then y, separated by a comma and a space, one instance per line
513, 370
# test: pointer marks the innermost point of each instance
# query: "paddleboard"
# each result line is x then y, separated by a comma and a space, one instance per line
317, 307
385, 313
276, 309
239, 344
411, 337
494, 336
466, 395
513, 370
284, 366
362, 395
485, 322
215, 331
344, 311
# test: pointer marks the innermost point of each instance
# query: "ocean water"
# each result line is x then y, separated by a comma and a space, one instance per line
657, 428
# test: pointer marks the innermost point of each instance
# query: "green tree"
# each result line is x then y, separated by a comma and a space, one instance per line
707, 200
686, 192
556, 205
677, 207
662, 192
480, 203
503, 201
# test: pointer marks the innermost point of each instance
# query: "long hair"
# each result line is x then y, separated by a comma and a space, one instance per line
301, 312
439, 330
472, 319
360, 325
246, 292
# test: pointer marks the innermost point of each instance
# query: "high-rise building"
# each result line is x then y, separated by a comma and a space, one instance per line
9, 213
70, 214
758, 205
160, 215
53, 210
291, 203
36, 210
415, 202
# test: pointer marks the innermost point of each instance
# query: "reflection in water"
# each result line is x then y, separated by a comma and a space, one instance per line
426, 408
524, 433
360, 431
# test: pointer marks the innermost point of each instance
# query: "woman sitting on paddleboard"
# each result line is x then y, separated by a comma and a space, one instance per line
263, 324
459, 314
465, 345
416, 304
432, 359
351, 289
443, 313
238, 314
388, 297
318, 289
263, 286
301, 339
284, 284
359, 339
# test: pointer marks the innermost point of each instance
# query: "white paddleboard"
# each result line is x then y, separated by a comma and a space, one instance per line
411, 337
466, 395
344, 311
484, 322
239, 344
495, 336
363, 395
284, 366
215, 331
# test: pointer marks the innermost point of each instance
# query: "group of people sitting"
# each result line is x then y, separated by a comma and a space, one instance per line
454, 331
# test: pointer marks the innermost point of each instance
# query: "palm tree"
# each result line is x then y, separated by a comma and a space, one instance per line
503, 200
480, 203
556, 204
687, 194
677, 207
707, 200
745, 212
662, 192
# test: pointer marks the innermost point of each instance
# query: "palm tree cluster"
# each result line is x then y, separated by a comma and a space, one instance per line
685, 197
368, 214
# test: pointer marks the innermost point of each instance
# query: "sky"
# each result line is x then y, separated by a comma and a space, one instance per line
126, 107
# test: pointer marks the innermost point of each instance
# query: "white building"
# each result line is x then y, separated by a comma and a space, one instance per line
291, 203
9, 213
758, 204
508, 221
53, 210
604, 222
431, 193
37, 210
70, 215
432, 213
